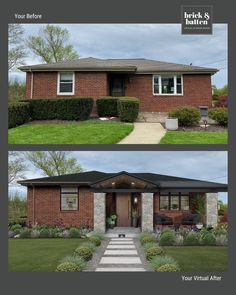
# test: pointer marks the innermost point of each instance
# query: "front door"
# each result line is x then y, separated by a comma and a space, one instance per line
117, 86
123, 209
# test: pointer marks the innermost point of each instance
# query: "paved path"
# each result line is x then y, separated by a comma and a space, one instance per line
145, 133
121, 255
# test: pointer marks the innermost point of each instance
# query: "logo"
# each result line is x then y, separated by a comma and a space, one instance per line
196, 19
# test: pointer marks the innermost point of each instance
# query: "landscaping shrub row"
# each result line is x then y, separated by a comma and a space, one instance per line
76, 108
82, 254
126, 108
18, 114
159, 262
37, 231
190, 116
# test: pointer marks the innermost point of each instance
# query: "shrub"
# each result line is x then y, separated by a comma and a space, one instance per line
98, 234
159, 261
149, 245
220, 115
25, 233
222, 101
35, 233
168, 268
107, 106
65, 233
221, 240
61, 109
187, 116
95, 240
74, 232
78, 261
192, 239
128, 109
208, 239
146, 238
68, 267
44, 233
18, 114
11, 234
16, 228
179, 240
90, 245
84, 252
167, 238
153, 251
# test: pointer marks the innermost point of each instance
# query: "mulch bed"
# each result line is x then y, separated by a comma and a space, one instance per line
209, 128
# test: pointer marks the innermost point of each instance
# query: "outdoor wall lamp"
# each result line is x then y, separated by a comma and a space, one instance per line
135, 200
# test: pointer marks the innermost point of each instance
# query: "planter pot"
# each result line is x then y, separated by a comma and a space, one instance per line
171, 124
199, 226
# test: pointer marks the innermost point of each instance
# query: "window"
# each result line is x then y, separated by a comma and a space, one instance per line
167, 85
65, 83
69, 198
174, 202
184, 202
164, 202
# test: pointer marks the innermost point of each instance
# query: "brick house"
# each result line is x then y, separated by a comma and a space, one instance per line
160, 86
88, 198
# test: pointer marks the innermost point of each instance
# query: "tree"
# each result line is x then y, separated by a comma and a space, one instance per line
16, 167
16, 50
51, 45
17, 209
53, 163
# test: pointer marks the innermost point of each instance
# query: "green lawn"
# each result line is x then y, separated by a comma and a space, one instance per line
87, 132
28, 255
194, 137
201, 258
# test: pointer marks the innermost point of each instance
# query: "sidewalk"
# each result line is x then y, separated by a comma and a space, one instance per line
145, 133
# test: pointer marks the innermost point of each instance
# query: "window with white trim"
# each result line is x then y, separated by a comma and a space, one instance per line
167, 84
65, 83
69, 198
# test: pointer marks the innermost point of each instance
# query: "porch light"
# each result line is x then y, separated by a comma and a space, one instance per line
132, 183
135, 200
113, 183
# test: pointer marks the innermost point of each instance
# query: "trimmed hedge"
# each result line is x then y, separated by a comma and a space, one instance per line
220, 115
107, 106
128, 108
78, 108
187, 116
18, 114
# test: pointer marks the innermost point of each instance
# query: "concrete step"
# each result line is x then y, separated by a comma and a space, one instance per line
120, 269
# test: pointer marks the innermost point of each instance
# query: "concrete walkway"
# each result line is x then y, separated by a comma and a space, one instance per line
145, 133
121, 255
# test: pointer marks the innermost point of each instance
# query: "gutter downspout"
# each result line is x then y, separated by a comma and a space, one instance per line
31, 84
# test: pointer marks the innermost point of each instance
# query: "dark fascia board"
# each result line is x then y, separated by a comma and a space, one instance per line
110, 190
85, 69
194, 190
52, 183
126, 173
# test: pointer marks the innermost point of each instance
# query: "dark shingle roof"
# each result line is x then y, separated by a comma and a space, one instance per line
90, 177
138, 65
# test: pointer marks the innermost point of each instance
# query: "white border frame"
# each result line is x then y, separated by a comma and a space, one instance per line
175, 85
73, 83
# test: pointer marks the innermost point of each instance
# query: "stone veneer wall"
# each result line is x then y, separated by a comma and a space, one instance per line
211, 209
147, 212
100, 212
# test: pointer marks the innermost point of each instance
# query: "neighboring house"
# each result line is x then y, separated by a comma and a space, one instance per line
160, 86
88, 198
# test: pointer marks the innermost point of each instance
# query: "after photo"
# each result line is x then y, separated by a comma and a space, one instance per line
119, 211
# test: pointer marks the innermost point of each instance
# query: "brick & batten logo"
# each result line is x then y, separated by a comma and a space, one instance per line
196, 19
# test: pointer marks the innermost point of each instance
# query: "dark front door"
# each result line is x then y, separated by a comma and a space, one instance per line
123, 209
117, 86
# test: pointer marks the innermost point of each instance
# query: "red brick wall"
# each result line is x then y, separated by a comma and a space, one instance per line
86, 84
197, 89
47, 207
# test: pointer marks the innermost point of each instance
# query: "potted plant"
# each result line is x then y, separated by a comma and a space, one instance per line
199, 204
135, 218
171, 123
111, 221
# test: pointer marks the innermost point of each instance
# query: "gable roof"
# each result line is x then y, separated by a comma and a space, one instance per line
163, 182
136, 65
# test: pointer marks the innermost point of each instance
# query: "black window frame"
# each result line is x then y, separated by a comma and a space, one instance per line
179, 203
69, 210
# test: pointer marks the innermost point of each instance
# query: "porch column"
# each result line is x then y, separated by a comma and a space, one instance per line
147, 212
211, 209
99, 212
